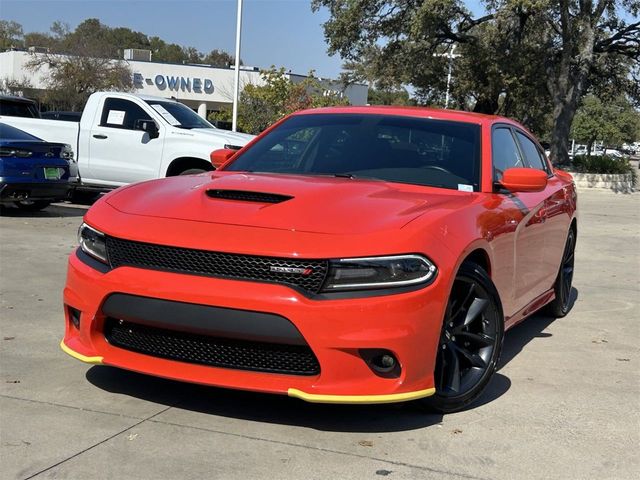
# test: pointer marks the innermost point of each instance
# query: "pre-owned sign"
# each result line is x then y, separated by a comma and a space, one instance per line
175, 83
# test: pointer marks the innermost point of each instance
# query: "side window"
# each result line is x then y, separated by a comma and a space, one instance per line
505, 152
531, 153
120, 113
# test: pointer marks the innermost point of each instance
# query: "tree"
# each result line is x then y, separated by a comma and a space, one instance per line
521, 58
262, 105
389, 96
614, 122
10, 34
84, 61
219, 58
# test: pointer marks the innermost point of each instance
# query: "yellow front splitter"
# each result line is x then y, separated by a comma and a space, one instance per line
79, 356
361, 399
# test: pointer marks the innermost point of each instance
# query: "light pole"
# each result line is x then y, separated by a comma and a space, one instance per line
451, 56
236, 86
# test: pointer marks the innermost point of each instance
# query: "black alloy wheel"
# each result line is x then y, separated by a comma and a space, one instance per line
470, 342
561, 305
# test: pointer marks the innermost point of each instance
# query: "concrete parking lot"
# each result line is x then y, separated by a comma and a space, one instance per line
565, 403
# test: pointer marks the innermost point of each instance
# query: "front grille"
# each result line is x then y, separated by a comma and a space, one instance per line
212, 351
217, 264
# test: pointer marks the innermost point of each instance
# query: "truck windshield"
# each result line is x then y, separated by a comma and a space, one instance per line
402, 149
179, 115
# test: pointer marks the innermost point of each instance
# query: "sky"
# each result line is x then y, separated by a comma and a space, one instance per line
284, 33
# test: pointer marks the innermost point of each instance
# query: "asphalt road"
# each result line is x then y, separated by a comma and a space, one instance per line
564, 404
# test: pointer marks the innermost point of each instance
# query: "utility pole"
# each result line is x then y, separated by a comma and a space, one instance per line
236, 86
451, 56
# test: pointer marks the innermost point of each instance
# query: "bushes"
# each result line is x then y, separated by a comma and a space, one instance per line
603, 164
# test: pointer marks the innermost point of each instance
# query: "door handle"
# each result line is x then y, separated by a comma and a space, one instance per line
101, 137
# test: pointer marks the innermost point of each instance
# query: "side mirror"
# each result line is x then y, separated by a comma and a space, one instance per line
524, 180
222, 156
148, 126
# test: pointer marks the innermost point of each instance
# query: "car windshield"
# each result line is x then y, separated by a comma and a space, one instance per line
179, 115
392, 148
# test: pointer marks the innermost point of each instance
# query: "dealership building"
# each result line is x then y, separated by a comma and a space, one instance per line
202, 87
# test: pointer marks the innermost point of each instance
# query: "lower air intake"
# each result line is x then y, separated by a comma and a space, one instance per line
212, 351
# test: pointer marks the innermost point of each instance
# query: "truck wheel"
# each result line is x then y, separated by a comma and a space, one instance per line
192, 171
32, 205
83, 197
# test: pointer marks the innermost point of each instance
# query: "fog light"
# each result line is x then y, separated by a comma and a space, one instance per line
74, 316
382, 362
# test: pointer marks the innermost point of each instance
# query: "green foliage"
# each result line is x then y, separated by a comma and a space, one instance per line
604, 164
93, 37
262, 105
389, 96
10, 34
613, 122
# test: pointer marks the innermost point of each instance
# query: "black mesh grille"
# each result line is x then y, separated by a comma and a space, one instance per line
246, 196
213, 351
308, 276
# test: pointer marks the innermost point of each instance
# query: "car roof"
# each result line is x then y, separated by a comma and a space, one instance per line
15, 98
422, 112
141, 96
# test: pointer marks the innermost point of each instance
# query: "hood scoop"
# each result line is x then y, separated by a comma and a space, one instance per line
248, 196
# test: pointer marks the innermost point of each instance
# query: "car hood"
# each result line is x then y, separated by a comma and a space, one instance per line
230, 138
312, 204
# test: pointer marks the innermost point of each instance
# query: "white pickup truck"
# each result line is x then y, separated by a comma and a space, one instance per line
124, 138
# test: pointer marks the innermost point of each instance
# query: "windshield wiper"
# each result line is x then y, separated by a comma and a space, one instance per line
344, 175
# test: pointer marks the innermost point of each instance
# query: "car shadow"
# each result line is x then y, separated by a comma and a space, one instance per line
56, 210
279, 409
516, 339
261, 407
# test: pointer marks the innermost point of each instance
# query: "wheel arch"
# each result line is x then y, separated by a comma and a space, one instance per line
181, 164
480, 257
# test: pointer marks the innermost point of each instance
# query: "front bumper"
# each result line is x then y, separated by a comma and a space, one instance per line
406, 324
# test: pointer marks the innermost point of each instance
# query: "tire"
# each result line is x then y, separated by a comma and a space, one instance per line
470, 341
192, 171
561, 305
83, 197
32, 205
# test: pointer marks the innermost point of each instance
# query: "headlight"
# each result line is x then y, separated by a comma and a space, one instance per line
92, 242
378, 272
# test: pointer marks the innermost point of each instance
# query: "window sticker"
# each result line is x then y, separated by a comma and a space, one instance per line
165, 114
465, 188
116, 117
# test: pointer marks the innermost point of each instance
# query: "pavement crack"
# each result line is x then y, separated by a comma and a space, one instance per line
91, 447
325, 450
61, 405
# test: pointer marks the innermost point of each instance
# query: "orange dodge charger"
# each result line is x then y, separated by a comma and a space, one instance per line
346, 255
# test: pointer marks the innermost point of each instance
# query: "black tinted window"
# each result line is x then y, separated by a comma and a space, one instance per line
392, 148
120, 113
18, 109
531, 152
505, 152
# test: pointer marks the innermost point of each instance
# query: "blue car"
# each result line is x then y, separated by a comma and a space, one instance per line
33, 173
